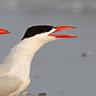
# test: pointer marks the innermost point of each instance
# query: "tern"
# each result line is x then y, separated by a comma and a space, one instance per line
15, 68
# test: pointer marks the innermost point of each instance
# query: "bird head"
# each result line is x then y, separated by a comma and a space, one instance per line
45, 32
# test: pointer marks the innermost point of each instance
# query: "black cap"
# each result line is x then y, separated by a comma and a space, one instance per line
38, 29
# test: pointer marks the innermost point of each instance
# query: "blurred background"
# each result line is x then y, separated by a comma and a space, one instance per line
66, 67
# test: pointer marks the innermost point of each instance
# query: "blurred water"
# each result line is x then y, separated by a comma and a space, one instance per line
58, 68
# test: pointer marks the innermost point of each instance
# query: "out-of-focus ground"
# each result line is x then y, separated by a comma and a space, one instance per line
66, 67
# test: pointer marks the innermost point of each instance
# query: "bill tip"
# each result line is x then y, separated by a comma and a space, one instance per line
75, 27
76, 36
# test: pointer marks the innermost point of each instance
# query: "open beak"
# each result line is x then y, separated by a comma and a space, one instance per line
3, 31
59, 28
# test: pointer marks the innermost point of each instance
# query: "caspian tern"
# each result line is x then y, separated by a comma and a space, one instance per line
15, 69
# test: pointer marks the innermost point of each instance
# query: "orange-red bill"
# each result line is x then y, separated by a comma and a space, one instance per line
64, 36
59, 28
3, 31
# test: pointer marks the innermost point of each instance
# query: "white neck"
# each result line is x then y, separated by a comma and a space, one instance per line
23, 52
20, 57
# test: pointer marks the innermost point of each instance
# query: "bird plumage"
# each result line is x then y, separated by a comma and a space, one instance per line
15, 69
